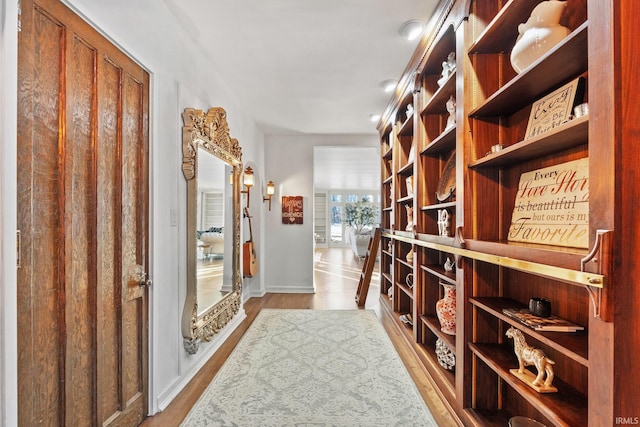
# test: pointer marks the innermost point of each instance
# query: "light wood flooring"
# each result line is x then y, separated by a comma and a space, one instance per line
336, 274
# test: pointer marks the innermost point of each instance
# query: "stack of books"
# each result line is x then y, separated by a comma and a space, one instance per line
543, 324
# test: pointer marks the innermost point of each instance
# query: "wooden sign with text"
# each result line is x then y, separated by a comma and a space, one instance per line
552, 206
555, 108
292, 209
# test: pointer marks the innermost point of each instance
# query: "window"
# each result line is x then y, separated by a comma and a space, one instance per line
338, 200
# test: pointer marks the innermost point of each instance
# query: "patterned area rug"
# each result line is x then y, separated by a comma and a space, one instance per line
312, 368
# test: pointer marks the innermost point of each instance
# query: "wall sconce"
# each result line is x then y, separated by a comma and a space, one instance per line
271, 189
247, 180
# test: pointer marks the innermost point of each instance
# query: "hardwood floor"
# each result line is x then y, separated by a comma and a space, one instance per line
336, 277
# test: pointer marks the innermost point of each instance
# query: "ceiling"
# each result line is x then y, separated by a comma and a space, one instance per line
310, 67
296, 66
346, 168
306, 66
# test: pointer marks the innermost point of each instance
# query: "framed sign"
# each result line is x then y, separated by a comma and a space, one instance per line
552, 206
292, 209
555, 108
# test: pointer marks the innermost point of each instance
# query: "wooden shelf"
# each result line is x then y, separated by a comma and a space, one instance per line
444, 143
489, 418
500, 35
567, 407
405, 200
388, 180
440, 273
441, 240
433, 324
405, 263
437, 103
406, 129
387, 277
571, 134
574, 345
388, 154
438, 206
407, 169
565, 61
404, 288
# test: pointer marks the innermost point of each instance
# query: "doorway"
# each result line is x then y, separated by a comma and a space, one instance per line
83, 116
342, 176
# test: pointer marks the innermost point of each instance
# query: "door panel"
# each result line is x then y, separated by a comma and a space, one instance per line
79, 220
82, 208
109, 271
39, 187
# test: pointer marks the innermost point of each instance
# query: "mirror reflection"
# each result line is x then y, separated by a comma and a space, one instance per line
213, 277
212, 209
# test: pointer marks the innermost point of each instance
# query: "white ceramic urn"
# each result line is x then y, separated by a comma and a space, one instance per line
539, 34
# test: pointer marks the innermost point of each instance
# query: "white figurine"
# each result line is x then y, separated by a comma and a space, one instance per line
409, 226
448, 265
451, 108
448, 67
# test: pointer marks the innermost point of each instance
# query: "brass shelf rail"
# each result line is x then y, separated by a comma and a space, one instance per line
590, 280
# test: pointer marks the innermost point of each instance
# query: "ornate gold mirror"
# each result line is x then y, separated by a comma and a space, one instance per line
214, 280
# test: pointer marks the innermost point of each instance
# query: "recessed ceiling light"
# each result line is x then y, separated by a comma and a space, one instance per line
388, 85
411, 29
374, 117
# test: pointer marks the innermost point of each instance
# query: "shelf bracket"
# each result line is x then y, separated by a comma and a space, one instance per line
598, 261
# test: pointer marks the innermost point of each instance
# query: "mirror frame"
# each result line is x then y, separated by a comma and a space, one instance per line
210, 132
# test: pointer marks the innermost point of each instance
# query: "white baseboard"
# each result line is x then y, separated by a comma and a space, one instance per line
252, 293
170, 393
291, 289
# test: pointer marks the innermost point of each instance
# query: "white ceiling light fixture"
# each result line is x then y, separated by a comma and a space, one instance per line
412, 29
374, 117
388, 85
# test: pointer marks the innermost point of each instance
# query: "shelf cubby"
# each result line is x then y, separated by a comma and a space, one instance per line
437, 103
439, 272
563, 62
443, 143
567, 407
568, 135
574, 345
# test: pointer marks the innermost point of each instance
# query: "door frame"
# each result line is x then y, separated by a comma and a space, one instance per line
8, 214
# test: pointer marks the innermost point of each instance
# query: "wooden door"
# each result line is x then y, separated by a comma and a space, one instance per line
83, 221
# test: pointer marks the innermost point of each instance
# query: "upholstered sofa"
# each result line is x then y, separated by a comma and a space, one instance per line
211, 241
359, 240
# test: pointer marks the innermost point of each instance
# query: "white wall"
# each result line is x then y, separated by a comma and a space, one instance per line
289, 248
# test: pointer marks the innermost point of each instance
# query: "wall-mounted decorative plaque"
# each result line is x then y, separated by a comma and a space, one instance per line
292, 210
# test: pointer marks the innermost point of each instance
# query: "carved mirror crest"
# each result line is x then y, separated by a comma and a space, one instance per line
214, 280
